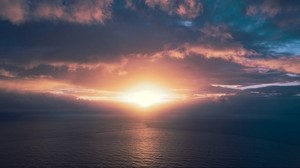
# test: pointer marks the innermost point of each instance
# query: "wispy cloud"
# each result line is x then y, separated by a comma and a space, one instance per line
215, 41
76, 92
189, 9
263, 85
293, 75
214, 96
288, 64
269, 8
235, 53
57, 88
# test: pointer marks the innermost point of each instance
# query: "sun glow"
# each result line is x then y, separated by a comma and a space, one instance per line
146, 96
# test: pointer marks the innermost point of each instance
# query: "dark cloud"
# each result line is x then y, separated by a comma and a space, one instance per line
29, 102
38, 71
40, 42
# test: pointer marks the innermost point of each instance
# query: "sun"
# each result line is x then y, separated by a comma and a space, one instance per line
145, 95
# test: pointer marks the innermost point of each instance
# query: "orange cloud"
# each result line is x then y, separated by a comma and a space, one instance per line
235, 53
32, 85
65, 89
288, 64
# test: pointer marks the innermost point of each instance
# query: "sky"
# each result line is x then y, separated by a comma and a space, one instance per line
72, 54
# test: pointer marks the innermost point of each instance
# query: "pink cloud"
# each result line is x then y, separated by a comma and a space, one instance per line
89, 11
236, 53
83, 12
233, 53
217, 42
219, 32
129, 4
269, 7
163, 4
251, 10
49, 11
288, 64
7, 74
13, 10
188, 9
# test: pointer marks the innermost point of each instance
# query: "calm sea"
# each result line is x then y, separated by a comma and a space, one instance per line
88, 140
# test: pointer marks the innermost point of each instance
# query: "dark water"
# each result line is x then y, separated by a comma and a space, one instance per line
94, 141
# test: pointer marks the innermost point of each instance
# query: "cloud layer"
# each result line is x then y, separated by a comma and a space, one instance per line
188, 9
102, 45
84, 12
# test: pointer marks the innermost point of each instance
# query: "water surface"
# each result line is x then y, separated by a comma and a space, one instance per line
89, 141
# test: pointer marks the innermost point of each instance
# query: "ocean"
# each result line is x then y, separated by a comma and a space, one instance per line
91, 140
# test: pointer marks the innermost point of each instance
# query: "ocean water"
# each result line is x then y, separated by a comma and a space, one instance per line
76, 140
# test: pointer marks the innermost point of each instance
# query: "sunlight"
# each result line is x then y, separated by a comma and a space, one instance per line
145, 96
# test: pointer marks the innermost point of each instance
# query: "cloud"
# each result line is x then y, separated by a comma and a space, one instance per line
194, 51
7, 74
81, 93
235, 53
239, 87
77, 92
215, 41
269, 8
288, 64
251, 10
217, 32
284, 13
12, 101
83, 12
212, 96
57, 88
13, 10
188, 9
293, 75
129, 4
72, 72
